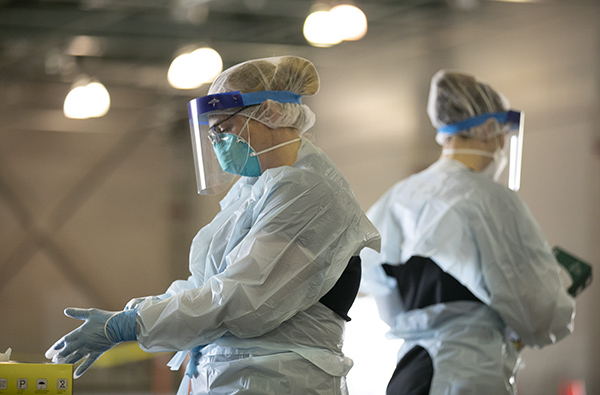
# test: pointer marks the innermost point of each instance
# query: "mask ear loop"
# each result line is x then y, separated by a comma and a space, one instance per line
239, 138
467, 151
253, 153
239, 135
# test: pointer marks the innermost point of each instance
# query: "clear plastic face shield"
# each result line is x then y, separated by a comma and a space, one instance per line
511, 124
513, 146
210, 176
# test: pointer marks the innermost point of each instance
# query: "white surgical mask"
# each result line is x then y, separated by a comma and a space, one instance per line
494, 169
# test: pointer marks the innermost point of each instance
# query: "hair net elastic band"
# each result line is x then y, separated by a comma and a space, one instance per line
221, 101
510, 117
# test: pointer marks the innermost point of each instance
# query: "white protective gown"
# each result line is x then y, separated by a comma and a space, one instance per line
258, 270
482, 234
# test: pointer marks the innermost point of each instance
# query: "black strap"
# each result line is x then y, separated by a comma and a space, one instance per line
341, 297
421, 283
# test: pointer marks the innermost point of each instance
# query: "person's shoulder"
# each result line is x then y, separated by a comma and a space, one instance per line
424, 182
486, 198
301, 193
490, 189
448, 184
295, 181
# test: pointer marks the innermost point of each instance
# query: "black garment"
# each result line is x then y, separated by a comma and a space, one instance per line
421, 283
413, 374
341, 297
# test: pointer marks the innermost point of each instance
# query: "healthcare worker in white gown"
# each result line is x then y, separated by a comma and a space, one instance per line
274, 274
465, 275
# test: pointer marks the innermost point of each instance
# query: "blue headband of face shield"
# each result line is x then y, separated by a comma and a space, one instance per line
511, 118
221, 101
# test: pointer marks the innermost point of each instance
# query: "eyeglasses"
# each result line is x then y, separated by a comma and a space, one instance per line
213, 135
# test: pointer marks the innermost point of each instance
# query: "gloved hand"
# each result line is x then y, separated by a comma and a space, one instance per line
98, 334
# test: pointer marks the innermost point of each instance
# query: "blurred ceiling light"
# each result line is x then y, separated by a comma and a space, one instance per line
85, 46
191, 70
352, 21
320, 29
340, 23
87, 99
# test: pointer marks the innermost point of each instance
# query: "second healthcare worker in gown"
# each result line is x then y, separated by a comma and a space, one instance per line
465, 275
272, 276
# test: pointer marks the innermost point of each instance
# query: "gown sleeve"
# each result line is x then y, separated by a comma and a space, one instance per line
302, 234
523, 276
375, 281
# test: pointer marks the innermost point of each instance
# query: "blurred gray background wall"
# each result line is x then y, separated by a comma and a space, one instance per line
96, 212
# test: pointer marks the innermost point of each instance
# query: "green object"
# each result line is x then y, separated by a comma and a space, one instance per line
580, 272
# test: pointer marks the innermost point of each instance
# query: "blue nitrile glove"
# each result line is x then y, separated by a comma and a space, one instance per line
98, 334
192, 368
